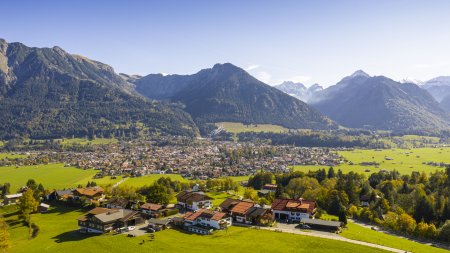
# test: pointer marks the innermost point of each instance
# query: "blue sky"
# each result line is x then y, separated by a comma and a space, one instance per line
309, 41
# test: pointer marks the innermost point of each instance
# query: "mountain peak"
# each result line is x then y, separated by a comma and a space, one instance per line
360, 73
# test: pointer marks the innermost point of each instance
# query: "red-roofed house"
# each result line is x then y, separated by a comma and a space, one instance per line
293, 209
194, 200
206, 219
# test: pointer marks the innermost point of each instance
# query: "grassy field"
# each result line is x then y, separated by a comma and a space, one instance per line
11, 156
360, 233
83, 141
57, 234
234, 127
150, 179
403, 160
52, 176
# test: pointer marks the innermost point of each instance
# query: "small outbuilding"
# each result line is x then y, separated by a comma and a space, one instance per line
334, 226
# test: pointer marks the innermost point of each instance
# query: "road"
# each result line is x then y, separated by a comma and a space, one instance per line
290, 228
118, 183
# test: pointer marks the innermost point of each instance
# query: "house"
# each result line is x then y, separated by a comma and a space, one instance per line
150, 209
238, 212
270, 187
364, 200
43, 208
228, 204
10, 199
203, 220
194, 200
119, 203
60, 195
160, 223
100, 220
92, 193
293, 210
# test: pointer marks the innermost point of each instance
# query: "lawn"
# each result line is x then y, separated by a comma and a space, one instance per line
52, 176
234, 127
57, 234
150, 179
403, 160
219, 197
360, 233
83, 141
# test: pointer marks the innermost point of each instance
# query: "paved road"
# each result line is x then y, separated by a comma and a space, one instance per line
290, 228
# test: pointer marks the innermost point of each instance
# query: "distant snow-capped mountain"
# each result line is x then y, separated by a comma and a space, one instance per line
438, 87
299, 90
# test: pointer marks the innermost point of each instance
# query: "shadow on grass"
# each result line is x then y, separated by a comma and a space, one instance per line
61, 209
72, 236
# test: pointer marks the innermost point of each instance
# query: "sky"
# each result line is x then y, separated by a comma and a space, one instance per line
303, 41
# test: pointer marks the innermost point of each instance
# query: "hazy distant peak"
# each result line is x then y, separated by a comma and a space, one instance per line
360, 73
409, 80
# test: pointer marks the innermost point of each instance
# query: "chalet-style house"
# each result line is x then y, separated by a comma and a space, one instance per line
60, 195
101, 220
270, 187
12, 198
151, 210
203, 221
191, 200
93, 193
245, 211
293, 210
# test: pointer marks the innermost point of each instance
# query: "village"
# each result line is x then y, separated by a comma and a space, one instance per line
201, 159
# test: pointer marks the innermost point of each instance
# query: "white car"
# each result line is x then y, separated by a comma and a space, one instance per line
131, 228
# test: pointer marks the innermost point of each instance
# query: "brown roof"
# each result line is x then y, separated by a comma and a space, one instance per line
294, 205
213, 215
242, 207
187, 196
151, 206
228, 203
90, 191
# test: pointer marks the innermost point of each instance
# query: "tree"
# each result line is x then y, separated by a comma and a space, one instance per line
158, 194
27, 205
342, 216
250, 193
331, 173
406, 223
5, 242
334, 203
444, 232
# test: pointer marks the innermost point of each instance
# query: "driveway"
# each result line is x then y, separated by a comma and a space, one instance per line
140, 230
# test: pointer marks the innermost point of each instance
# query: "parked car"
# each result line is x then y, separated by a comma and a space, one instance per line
131, 235
304, 226
151, 230
131, 228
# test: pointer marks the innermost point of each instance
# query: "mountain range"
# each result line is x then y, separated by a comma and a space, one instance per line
363, 101
49, 93
228, 93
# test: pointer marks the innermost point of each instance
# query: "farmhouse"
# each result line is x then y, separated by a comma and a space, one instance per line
293, 210
203, 220
150, 209
245, 211
12, 198
100, 220
194, 200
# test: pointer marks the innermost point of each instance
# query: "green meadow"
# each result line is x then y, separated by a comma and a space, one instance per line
84, 141
234, 127
57, 233
11, 156
403, 160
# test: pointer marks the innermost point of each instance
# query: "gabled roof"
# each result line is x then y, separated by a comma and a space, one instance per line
90, 191
294, 205
187, 196
255, 212
228, 203
242, 207
204, 213
151, 206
